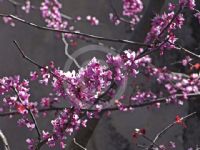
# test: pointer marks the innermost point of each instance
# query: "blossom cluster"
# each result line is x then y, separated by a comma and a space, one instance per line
20, 101
92, 20
27, 6
197, 15
82, 90
64, 125
51, 13
178, 86
167, 22
127, 64
164, 25
187, 3
9, 21
132, 8
84, 87
114, 19
141, 97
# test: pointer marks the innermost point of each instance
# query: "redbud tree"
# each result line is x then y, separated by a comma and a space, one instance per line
89, 92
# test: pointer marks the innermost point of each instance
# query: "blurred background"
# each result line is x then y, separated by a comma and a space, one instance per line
110, 132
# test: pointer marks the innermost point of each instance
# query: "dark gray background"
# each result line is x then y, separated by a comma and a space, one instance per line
111, 133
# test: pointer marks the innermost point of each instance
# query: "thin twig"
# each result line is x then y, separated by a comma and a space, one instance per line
79, 145
35, 63
3, 142
53, 108
67, 53
18, 4
145, 52
141, 146
117, 15
31, 115
150, 140
163, 131
171, 21
41, 110
179, 47
41, 143
26, 57
188, 52
15, 3
75, 32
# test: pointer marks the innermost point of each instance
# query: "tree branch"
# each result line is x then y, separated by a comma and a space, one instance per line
117, 15
75, 32
159, 100
163, 131
26, 57
31, 115
3, 142
67, 53
187, 52
79, 145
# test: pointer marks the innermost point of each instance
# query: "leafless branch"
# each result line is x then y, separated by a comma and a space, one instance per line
3, 142
163, 131
188, 52
75, 32
26, 57
67, 53
79, 145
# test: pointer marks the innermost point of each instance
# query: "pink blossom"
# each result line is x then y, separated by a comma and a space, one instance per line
92, 20
31, 143
9, 21
197, 15
27, 6
132, 9
187, 3
114, 19
51, 13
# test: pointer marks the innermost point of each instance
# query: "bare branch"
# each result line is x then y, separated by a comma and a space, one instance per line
79, 145
75, 32
188, 52
163, 131
3, 142
26, 57
67, 53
